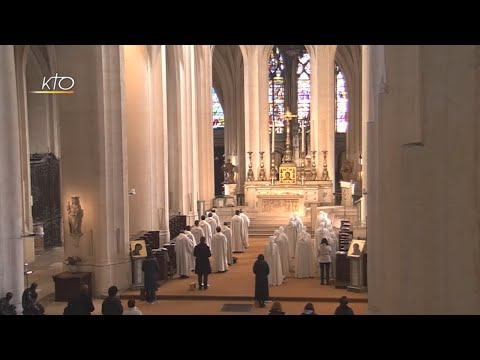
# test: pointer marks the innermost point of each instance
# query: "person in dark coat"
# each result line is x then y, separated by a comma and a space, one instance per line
83, 305
112, 304
343, 308
202, 252
29, 301
261, 271
308, 310
5, 307
276, 309
150, 268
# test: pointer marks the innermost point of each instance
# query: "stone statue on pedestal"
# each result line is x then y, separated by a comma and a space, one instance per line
75, 217
346, 170
229, 172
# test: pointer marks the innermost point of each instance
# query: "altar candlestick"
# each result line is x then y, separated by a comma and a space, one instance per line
273, 137
303, 136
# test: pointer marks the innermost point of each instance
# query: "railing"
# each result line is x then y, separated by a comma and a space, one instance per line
176, 224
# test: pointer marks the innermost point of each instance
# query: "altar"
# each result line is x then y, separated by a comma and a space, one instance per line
287, 198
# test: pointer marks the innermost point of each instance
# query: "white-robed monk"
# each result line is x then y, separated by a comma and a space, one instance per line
272, 257
282, 244
207, 230
219, 251
192, 240
215, 216
184, 251
197, 232
246, 221
304, 267
237, 232
211, 221
292, 230
290, 261
228, 234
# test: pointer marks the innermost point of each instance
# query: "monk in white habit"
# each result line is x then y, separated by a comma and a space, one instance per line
211, 221
272, 257
228, 234
246, 221
283, 235
192, 240
282, 244
215, 216
219, 251
292, 230
197, 232
184, 251
237, 225
304, 255
207, 230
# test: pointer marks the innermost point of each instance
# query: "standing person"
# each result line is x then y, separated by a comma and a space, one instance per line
282, 243
5, 307
272, 257
343, 308
246, 221
237, 232
132, 309
261, 271
219, 251
193, 243
150, 268
112, 304
213, 226
197, 232
324, 258
304, 255
202, 263
215, 216
83, 305
228, 234
207, 230
184, 252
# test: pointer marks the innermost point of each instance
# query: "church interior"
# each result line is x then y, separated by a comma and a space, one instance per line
117, 157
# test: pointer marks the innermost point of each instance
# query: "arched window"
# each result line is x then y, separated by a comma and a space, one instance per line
303, 91
341, 99
276, 90
218, 118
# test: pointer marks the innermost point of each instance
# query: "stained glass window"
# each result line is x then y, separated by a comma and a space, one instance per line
303, 91
276, 90
218, 119
341, 123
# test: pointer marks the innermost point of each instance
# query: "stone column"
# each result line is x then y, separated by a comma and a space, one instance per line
252, 138
11, 243
94, 163
323, 104
204, 135
426, 138
160, 145
366, 118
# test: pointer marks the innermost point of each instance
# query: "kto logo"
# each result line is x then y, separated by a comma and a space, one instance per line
56, 85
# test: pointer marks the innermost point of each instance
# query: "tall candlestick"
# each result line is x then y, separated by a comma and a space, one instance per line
273, 137
303, 136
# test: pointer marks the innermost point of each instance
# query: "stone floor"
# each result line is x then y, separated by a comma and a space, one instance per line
233, 287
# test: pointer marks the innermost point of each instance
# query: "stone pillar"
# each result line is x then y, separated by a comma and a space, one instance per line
366, 118
204, 135
182, 124
323, 104
94, 163
427, 137
11, 243
252, 138
159, 112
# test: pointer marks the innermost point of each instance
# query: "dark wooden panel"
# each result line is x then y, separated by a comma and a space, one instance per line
45, 182
68, 284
